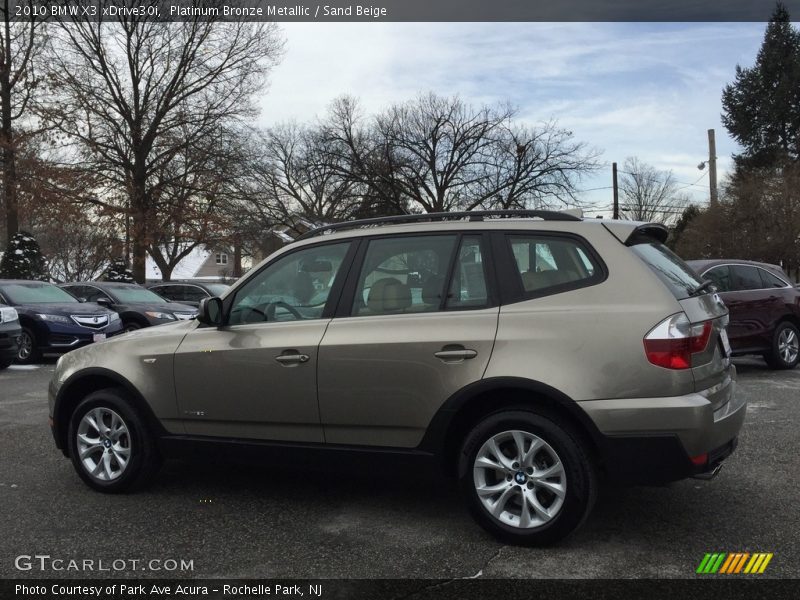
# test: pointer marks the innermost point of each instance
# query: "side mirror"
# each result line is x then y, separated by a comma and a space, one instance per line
103, 302
210, 311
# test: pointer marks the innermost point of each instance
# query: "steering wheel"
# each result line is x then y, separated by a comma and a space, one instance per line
273, 306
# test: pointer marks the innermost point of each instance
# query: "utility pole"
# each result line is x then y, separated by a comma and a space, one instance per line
616, 190
712, 167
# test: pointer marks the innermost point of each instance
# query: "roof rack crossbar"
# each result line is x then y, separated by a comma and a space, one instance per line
474, 215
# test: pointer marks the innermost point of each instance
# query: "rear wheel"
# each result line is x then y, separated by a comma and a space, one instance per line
27, 350
785, 352
526, 478
109, 443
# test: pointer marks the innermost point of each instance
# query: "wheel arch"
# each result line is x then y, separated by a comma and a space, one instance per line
81, 384
464, 409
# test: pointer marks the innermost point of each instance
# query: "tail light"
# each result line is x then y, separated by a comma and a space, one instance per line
671, 343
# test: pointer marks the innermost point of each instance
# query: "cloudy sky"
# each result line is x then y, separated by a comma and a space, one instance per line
628, 89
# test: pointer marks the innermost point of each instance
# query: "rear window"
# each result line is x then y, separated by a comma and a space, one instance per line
669, 267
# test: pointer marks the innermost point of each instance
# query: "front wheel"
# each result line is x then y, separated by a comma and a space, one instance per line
526, 478
109, 443
785, 352
27, 350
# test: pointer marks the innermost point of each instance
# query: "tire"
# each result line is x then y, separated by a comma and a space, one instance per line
132, 441
130, 326
785, 352
27, 351
567, 494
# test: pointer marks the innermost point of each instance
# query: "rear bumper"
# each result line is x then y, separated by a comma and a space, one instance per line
665, 439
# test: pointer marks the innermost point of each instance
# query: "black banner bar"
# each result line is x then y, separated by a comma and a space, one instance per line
702, 588
325, 11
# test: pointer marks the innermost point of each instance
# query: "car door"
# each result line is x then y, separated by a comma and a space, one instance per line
256, 376
416, 324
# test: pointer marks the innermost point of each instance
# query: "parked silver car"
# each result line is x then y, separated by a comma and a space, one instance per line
527, 353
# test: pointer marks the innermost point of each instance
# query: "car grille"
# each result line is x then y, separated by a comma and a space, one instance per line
185, 316
91, 321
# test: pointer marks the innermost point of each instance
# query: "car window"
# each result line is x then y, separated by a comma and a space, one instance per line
192, 293
746, 278
468, 286
165, 291
669, 268
405, 274
721, 276
294, 287
547, 263
135, 294
771, 281
35, 292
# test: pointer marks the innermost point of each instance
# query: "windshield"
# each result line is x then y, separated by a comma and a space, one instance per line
670, 268
35, 292
217, 289
135, 295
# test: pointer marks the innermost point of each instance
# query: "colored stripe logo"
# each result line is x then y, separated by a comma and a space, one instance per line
734, 563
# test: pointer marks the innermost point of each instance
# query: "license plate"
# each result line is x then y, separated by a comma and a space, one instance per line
98, 337
726, 345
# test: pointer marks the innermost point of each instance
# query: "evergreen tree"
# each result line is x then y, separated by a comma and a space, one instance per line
23, 259
761, 108
118, 271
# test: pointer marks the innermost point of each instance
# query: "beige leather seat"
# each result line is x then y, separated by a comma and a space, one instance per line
388, 295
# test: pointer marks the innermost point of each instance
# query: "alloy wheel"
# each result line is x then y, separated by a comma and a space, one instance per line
788, 345
519, 479
25, 350
104, 444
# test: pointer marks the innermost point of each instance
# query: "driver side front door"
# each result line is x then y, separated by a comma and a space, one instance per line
256, 376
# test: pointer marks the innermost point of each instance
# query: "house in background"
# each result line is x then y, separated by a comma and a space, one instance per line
202, 263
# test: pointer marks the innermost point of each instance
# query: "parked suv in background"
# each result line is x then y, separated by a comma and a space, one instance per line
52, 321
190, 293
527, 355
9, 334
137, 307
764, 308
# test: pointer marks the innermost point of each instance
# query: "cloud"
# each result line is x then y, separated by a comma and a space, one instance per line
649, 90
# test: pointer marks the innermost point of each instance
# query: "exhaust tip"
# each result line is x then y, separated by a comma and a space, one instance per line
708, 475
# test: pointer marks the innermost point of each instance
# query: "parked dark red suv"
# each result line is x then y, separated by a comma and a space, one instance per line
764, 308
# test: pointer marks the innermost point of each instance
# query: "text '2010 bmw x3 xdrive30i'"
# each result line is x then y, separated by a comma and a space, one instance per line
529, 353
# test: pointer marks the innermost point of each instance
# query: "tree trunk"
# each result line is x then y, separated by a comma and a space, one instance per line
237, 258
7, 141
140, 217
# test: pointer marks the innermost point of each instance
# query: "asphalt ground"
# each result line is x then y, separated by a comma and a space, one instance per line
258, 522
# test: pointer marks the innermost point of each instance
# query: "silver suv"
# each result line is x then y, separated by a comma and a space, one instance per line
528, 353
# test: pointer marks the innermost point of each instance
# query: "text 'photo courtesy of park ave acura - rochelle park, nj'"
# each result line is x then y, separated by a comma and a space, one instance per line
399, 300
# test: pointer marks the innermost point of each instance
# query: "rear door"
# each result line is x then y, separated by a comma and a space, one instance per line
752, 307
417, 323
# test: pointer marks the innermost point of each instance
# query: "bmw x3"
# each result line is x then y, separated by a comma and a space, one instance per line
530, 354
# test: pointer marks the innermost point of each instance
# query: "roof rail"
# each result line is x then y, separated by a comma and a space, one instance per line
473, 215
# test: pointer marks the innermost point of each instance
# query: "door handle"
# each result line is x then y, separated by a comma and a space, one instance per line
292, 359
453, 355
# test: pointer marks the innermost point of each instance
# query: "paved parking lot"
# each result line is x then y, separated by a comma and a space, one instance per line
251, 522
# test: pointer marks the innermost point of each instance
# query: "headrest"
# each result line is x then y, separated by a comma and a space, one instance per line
388, 295
432, 290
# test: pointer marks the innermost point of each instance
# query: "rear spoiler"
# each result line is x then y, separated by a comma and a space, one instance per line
631, 234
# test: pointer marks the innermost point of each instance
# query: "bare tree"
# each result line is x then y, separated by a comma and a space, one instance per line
437, 154
123, 90
22, 42
648, 194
